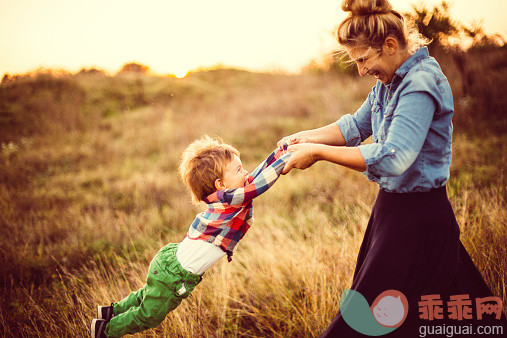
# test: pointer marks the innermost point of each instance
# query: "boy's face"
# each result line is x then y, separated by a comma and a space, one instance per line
234, 175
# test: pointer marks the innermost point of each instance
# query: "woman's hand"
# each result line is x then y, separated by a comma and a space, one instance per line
301, 156
329, 135
292, 139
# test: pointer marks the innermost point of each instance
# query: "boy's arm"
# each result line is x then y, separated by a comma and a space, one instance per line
275, 155
262, 178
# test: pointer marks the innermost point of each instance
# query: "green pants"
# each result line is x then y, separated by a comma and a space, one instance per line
166, 286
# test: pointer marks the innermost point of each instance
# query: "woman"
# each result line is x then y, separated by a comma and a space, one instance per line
412, 241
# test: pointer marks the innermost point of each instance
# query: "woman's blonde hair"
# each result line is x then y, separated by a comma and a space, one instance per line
202, 163
370, 22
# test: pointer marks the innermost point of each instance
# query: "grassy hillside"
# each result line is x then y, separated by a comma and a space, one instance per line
89, 192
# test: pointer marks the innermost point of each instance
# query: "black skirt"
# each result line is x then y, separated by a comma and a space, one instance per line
412, 245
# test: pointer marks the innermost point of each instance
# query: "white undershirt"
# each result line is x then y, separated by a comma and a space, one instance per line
197, 256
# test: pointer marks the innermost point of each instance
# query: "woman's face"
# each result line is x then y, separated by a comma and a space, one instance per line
381, 64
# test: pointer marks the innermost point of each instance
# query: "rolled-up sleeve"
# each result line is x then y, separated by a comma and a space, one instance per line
408, 130
357, 128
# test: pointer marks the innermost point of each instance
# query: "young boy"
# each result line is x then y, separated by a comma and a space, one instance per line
214, 173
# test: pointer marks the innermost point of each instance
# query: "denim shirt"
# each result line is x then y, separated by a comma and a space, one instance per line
409, 120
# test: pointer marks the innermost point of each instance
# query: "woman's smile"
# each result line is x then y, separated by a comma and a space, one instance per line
375, 74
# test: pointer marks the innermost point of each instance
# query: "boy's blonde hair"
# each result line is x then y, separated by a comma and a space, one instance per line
202, 163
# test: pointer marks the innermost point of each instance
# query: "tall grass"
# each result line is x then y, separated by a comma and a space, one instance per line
89, 192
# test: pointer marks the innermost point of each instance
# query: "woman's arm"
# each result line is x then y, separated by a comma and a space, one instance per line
349, 130
328, 142
330, 135
406, 136
306, 154
349, 157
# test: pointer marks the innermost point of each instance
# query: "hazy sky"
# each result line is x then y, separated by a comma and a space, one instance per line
172, 37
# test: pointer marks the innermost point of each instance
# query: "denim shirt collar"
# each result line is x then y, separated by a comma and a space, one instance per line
421, 53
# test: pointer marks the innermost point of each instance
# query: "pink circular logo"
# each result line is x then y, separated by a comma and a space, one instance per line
390, 308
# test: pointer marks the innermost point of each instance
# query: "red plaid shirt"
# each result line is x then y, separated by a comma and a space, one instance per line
229, 212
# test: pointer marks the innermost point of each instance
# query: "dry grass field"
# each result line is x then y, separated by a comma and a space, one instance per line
89, 192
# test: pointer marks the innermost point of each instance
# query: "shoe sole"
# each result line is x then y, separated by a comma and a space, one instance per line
93, 328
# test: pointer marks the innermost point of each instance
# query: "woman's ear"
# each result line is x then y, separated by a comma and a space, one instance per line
390, 45
219, 184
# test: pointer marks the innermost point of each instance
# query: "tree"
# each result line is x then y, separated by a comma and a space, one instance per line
91, 70
457, 39
435, 24
133, 67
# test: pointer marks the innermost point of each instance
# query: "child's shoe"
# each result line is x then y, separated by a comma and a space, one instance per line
98, 328
105, 312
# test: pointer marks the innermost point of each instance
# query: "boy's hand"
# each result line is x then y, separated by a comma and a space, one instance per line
301, 157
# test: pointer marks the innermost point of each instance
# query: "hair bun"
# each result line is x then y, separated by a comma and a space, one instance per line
366, 7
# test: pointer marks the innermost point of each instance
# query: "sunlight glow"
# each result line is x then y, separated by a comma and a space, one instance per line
264, 35
181, 74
